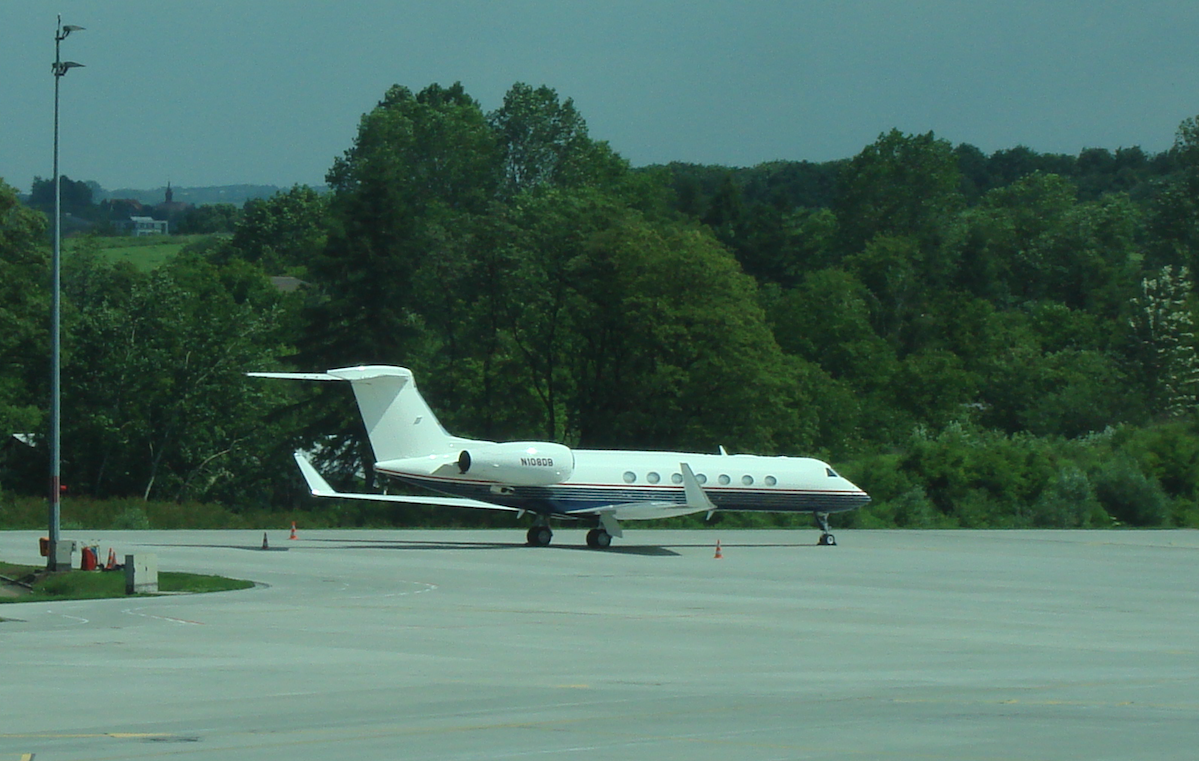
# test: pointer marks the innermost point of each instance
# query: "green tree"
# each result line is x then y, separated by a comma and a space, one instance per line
901, 185
1076, 393
419, 167
544, 141
24, 310
160, 406
660, 367
826, 320
209, 219
1174, 214
1032, 240
283, 233
76, 195
583, 314
890, 268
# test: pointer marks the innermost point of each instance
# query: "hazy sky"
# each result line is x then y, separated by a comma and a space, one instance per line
215, 92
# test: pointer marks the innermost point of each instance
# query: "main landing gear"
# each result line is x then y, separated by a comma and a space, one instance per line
539, 536
826, 538
599, 539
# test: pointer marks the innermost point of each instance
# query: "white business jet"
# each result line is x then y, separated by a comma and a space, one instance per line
553, 481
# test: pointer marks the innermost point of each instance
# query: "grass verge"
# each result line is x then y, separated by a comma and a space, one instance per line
92, 585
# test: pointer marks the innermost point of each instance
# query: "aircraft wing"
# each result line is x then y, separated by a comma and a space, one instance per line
319, 487
697, 501
640, 511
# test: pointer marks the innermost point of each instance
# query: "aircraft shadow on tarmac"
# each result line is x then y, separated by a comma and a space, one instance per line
253, 548
416, 544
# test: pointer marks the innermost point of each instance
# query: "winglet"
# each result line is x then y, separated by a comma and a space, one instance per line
316, 482
608, 522
696, 497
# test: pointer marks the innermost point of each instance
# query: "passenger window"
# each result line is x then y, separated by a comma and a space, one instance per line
629, 476
676, 478
771, 480
747, 480
701, 478
724, 480
653, 478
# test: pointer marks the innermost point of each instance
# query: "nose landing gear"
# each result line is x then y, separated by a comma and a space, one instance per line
826, 537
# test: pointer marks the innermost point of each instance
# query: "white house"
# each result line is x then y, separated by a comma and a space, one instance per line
142, 226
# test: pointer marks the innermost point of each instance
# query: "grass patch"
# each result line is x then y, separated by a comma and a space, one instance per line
196, 583
94, 585
145, 253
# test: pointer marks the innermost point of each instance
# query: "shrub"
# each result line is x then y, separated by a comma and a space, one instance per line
1068, 501
1128, 496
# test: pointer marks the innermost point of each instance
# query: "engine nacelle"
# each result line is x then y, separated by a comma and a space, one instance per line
520, 463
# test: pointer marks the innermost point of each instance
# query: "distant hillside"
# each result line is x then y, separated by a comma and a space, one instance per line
234, 194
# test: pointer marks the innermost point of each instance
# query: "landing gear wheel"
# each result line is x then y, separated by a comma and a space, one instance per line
598, 539
827, 540
539, 536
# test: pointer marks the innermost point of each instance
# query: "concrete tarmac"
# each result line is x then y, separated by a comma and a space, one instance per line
465, 645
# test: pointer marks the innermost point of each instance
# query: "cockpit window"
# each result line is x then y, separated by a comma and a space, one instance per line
831, 473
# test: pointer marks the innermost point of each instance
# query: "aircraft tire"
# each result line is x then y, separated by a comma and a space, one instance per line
828, 540
598, 539
539, 536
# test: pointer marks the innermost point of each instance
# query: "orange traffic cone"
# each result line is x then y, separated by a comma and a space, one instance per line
719, 554
265, 546
293, 530
112, 560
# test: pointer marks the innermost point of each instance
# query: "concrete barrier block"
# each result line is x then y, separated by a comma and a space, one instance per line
141, 573
63, 551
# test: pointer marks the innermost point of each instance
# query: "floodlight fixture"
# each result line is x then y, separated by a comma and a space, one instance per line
60, 67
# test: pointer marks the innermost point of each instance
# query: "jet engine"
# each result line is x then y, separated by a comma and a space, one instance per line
520, 463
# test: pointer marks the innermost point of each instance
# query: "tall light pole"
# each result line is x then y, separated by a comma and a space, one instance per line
60, 68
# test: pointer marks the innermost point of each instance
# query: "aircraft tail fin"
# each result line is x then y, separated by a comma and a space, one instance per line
398, 421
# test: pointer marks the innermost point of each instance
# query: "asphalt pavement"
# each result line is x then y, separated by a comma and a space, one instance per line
464, 645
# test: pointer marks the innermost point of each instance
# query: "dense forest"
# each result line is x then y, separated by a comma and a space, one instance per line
978, 341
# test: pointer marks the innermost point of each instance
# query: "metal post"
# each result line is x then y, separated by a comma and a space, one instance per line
60, 68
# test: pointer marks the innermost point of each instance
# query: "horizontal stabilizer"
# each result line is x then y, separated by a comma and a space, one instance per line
398, 422
319, 487
297, 376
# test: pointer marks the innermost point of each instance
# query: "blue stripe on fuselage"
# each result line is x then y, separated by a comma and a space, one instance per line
569, 498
